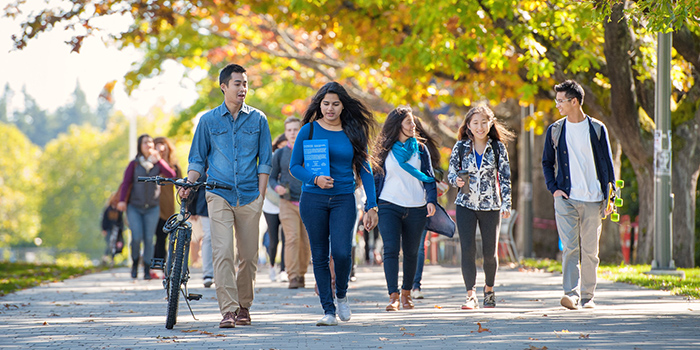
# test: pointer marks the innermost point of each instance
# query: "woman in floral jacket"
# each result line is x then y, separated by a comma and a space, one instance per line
479, 167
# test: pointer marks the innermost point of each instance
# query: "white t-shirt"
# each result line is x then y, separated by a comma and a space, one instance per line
400, 187
585, 186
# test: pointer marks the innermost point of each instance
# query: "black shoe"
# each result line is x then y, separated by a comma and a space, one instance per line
489, 299
134, 267
147, 273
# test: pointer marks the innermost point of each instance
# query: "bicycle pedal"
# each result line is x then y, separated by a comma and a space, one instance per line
157, 264
194, 296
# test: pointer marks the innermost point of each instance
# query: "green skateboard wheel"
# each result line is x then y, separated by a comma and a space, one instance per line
615, 217
618, 202
620, 183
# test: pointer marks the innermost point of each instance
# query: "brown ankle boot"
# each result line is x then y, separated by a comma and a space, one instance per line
406, 301
393, 302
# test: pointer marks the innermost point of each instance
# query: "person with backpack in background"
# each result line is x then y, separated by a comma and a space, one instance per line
480, 168
577, 165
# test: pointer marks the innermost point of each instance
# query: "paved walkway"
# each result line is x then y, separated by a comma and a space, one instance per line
109, 310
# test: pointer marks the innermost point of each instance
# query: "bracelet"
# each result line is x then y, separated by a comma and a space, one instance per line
315, 178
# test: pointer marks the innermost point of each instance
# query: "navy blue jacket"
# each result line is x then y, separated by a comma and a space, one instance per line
426, 167
560, 179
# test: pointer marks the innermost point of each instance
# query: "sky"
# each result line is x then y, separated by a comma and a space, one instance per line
49, 71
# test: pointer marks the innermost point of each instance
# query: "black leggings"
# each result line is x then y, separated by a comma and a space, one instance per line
489, 225
274, 233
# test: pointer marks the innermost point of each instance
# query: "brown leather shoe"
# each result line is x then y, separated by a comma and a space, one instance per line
229, 320
296, 282
406, 300
393, 302
243, 317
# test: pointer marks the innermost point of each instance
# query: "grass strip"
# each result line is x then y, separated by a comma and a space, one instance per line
16, 276
634, 274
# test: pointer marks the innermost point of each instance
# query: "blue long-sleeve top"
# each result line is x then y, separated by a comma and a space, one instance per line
340, 152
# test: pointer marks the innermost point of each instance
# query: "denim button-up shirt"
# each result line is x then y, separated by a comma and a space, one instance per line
233, 151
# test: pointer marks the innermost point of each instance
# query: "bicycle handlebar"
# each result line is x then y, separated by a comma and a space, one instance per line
182, 182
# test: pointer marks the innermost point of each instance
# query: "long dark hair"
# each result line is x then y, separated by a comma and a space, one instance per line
497, 131
356, 119
278, 140
391, 130
138, 145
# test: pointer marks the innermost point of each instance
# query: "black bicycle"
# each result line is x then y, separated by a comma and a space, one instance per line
176, 269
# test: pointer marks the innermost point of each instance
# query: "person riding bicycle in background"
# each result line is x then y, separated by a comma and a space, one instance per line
143, 201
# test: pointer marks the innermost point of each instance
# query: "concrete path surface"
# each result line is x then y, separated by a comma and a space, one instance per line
109, 310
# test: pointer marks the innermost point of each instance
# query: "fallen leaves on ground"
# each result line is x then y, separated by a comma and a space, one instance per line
532, 347
531, 338
402, 328
562, 331
383, 339
438, 307
481, 329
583, 336
409, 334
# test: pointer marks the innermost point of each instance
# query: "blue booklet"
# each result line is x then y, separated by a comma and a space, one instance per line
316, 157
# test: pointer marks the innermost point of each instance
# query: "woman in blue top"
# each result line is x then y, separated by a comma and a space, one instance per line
327, 203
407, 196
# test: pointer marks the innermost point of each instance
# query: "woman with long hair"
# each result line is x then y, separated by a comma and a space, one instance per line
143, 206
479, 166
407, 196
166, 149
271, 211
327, 202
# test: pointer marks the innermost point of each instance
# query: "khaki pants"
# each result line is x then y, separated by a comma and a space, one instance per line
297, 253
234, 289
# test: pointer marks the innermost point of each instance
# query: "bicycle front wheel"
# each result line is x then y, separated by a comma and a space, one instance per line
175, 281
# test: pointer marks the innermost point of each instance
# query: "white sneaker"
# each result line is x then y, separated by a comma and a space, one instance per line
344, 309
273, 274
588, 304
417, 294
208, 281
471, 303
569, 302
327, 320
283, 277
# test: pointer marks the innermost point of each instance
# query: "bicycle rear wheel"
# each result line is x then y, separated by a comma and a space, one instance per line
175, 281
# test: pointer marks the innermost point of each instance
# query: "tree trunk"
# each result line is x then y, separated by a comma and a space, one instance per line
645, 182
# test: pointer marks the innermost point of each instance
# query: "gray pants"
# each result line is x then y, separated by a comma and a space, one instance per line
579, 226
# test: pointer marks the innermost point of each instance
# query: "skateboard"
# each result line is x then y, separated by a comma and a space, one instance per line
614, 199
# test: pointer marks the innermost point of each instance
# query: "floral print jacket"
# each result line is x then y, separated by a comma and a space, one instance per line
482, 190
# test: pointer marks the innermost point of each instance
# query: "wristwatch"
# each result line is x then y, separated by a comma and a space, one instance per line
376, 209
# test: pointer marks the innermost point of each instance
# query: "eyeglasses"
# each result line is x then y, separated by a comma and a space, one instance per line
562, 101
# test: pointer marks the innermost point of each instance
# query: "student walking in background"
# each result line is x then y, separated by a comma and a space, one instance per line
143, 205
166, 149
112, 228
432, 146
232, 142
327, 202
577, 165
271, 212
407, 196
297, 251
479, 167
200, 215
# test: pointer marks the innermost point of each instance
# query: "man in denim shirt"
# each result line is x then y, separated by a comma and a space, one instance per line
233, 142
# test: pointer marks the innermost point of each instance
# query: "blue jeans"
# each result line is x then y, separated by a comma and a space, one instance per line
329, 221
421, 261
142, 223
400, 227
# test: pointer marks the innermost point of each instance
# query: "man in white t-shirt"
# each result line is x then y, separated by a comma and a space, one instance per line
577, 165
